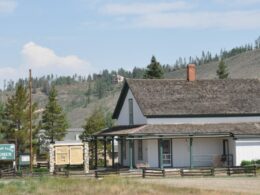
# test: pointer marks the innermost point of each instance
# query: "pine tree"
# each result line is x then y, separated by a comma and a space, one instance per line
1, 118
53, 119
222, 71
154, 70
93, 124
16, 119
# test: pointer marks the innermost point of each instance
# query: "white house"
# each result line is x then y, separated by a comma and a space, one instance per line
187, 123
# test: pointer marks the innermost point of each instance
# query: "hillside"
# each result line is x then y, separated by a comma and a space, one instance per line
73, 97
245, 65
73, 100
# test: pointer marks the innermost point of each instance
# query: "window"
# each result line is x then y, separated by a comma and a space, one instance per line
140, 149
131, 113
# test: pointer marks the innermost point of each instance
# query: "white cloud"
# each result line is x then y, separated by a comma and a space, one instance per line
46, 61
233, 20
7, 6
143, 8
185, 15
42, 61
238, 2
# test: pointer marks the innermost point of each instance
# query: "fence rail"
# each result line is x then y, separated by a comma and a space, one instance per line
144, 172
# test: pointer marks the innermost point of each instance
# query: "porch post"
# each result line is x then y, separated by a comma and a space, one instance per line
105, 151
191, 161
130, 154
161, 153
121, 149
113, 152
96, 153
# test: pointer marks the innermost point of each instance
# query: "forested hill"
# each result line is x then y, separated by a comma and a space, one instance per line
79, 96
72, 97
244, 65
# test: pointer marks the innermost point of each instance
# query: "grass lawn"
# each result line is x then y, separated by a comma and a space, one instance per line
107, 186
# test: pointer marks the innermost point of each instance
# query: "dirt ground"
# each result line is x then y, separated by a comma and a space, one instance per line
243, 185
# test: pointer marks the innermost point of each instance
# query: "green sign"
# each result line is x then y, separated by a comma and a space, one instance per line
7, 152
24, 159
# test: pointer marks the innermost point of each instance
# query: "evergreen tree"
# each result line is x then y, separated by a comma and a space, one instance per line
154, 70
16, 119
222, 71
53, 119
94, 123
1, 118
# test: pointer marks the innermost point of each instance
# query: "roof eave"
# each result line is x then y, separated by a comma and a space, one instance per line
120, 100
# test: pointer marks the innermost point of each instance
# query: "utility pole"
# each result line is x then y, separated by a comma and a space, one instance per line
30, 118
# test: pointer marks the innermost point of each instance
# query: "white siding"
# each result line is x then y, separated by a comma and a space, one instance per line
181, 152
144, 152
247, 149
126, 160
232, 149
202, 120
207, 151
152, 152
123, 118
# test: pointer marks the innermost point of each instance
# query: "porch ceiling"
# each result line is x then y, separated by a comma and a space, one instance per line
183, 130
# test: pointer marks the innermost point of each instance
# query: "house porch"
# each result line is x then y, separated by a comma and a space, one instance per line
180, 145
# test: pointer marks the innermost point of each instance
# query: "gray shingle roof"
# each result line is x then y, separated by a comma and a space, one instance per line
168, 97
185, 129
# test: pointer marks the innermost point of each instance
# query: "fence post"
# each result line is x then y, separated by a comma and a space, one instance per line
181, 172
228, 171
255, 170
0, 173
163, 172
67, 173
143, 172
213, 171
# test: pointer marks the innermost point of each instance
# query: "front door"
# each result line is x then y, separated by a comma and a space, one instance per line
167, 153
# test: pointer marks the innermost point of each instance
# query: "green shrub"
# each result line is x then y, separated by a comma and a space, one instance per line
41, 170
249, 162
246, 163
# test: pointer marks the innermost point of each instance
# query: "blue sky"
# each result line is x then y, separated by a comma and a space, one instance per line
86, 36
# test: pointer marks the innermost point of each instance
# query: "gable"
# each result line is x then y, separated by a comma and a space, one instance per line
124, 115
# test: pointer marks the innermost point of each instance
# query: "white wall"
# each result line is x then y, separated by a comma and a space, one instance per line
247, 149
181, 152
152, 153
207, 151
203, 120
123, 118
232, 149
144, 142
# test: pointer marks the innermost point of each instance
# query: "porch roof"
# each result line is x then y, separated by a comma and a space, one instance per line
183, 130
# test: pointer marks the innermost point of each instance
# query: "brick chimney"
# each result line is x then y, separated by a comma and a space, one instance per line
191, 72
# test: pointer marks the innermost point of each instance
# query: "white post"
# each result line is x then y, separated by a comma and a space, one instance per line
52, 159
86, 158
